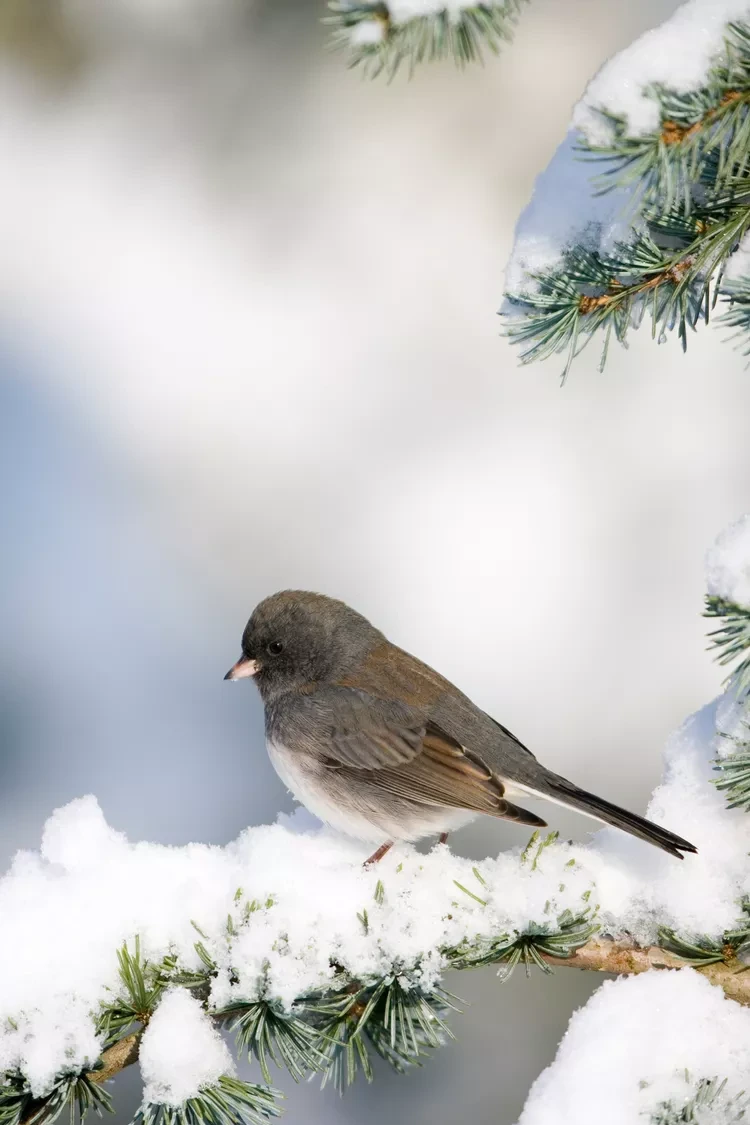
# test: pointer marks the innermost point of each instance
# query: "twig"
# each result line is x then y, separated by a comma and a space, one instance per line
627, 958
121, 1054
618, 292
673, 133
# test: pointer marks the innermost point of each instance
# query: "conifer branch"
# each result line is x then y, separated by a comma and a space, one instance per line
618, 292
732, 638
121, 1054
380, 43
708, 1100
599, 955
626, 958
676, 132
688, 184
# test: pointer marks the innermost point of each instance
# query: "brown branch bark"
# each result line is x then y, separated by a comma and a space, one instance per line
672, 133
116, 1058
617, 291
624, 958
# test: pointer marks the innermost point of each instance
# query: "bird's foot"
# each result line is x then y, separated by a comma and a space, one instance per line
378, 855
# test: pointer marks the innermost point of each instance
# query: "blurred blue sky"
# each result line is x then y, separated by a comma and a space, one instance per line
113, 662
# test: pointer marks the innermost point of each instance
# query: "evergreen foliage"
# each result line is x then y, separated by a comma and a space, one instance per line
688, 184
333, 1033
229, 1102
732, 638
733, 945
734, 770
379, 43
708, 1104
76, 1093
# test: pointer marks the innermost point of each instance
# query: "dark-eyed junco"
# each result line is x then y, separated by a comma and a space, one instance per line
379, 745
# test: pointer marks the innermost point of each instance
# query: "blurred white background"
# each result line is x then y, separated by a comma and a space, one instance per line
248, 341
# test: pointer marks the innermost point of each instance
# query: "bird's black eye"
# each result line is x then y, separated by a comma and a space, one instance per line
274, 648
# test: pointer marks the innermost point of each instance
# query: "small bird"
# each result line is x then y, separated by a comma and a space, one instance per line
383, 748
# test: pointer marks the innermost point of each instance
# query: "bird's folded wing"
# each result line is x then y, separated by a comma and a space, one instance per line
357, 730
444, 773
408, 755
448, 775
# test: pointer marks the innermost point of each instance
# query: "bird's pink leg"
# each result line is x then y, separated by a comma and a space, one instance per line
443, 838
378, 855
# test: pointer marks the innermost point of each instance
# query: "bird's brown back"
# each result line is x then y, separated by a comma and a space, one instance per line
388, 672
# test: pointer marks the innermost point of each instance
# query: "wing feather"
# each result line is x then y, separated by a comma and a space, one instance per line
406, 754
356, 730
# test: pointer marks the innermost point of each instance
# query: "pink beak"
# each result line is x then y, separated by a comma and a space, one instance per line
244, 667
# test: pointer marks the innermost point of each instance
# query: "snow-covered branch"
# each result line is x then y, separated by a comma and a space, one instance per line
382, 35
665, 126
621, 958
316, 962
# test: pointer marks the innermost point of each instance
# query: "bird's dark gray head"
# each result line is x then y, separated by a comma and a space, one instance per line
295, 638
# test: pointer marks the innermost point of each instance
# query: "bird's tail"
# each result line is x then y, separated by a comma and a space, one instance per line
559, 789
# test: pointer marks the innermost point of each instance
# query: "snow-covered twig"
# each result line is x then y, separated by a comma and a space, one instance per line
382, 35
617, 957
665, 126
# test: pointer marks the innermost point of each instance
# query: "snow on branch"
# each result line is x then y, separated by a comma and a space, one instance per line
645, 1049
312, 960
381, 36
317, 963
646, 200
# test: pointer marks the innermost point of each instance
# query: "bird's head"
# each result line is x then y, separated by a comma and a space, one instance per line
296, 638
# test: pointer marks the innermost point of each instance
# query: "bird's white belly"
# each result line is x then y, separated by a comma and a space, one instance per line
301, 783
354, 815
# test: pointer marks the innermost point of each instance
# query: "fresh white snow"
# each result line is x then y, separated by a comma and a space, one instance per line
181, 1051
738, 266
728, 564
638, 1042
677, 54
366, 33
565, 209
